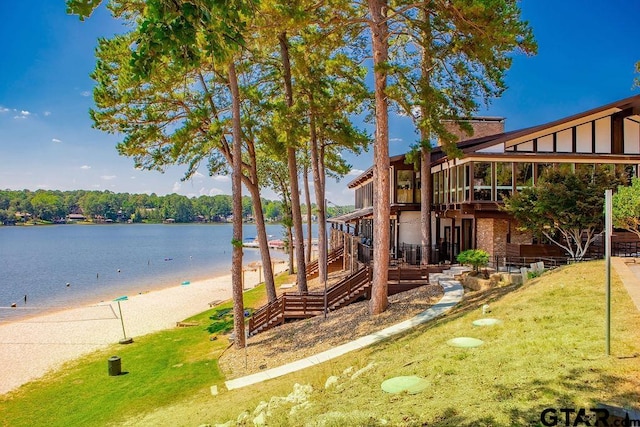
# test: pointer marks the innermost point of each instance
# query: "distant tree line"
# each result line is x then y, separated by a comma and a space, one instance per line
53, 206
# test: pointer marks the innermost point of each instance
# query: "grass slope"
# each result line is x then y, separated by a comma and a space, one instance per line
548, 352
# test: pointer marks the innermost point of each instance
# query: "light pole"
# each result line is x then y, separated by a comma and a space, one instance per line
124, 340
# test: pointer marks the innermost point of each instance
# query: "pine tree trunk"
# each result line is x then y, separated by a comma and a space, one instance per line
425, 203
307, 197
296, 214
318, 184
381, 206
263, 243
236, 190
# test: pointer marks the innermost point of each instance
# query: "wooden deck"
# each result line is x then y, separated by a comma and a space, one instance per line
357, 286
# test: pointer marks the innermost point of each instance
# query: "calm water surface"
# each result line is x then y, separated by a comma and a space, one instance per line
102, 262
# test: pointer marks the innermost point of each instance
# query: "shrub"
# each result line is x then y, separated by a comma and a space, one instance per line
474, 257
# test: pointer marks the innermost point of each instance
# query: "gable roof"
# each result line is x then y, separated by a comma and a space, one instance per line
474, 145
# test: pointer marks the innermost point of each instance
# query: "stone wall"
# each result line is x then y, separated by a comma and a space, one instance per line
491, 234
482, 126
484, 234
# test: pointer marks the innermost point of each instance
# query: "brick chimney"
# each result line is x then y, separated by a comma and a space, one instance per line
482, 126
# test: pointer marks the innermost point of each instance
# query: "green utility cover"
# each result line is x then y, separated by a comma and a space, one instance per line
410, 384
465, 342
486, 322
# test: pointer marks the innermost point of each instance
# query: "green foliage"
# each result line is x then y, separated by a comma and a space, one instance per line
50, 205
626, 207
452, 59
565, 206
474, 257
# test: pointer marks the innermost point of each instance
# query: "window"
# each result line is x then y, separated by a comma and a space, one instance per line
482, 174
417, 194
404, 186
467, 182
436, 194
541, 168
504, 180
452, 187
524, 175
460, 186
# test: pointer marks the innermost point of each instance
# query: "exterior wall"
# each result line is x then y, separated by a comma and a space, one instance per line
520, 237
491, 235
409, 228
484, 234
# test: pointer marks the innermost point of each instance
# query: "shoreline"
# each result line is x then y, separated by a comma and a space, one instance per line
31, 347
23, 312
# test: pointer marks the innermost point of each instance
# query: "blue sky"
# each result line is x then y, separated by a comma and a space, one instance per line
587, 52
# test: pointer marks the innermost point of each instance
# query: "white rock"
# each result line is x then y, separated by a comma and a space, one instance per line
260, 420
363, 370
331, 381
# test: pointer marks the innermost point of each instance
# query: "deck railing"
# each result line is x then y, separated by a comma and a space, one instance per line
313, 269
301, 306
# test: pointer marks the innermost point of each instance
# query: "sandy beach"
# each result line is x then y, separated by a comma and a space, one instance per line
30, 348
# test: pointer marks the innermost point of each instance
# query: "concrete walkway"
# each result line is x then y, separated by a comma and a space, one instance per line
629, 274
453, 293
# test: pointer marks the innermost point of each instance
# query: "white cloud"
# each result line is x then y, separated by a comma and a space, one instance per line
214, 192
395, 139
355, 172
3, 109
221, 178
85, 167
108, 177
55, 140
176, 187
42, 186
85, 93
23, 114
47, 113
198, 175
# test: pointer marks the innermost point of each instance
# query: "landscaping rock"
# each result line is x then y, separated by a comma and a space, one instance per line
331, 381
363, 370
260, 420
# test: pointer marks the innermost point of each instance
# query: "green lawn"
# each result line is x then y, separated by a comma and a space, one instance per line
548, 352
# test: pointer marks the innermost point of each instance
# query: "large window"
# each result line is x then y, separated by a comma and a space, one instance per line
627, 172
524, 175
460, 183
453, 194
541, 168
436, 186
482, 174
504, 180
404, 186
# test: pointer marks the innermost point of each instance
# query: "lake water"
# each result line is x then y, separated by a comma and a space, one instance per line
103, 262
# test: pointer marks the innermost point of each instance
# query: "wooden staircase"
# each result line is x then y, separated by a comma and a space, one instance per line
296, 306
333, 258
357, 286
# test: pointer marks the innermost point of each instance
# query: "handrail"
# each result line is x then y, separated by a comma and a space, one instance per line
313, 267
291, 305
307, 305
